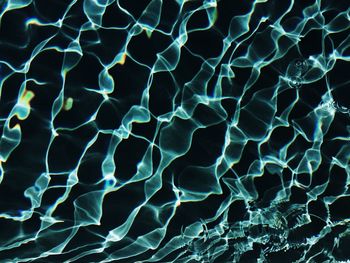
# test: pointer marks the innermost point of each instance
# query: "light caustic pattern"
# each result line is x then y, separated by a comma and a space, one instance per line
174, 131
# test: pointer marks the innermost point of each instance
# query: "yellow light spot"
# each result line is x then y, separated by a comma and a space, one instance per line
68, 104
148, 31
23, 105
16, 127
26, 97
33, 21
122, 59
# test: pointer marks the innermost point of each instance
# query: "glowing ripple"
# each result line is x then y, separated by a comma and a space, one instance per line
174, 131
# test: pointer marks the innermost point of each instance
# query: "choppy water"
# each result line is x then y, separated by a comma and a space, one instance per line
174, 131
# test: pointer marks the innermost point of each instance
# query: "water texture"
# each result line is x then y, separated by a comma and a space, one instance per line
174, 131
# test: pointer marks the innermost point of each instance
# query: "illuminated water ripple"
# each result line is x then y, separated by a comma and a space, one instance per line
174, 131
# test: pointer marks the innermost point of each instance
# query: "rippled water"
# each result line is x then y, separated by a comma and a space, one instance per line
174, 131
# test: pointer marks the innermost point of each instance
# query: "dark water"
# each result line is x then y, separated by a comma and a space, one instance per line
174, 131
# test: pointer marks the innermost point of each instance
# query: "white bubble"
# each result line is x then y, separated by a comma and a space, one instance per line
295, 82
301, 65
